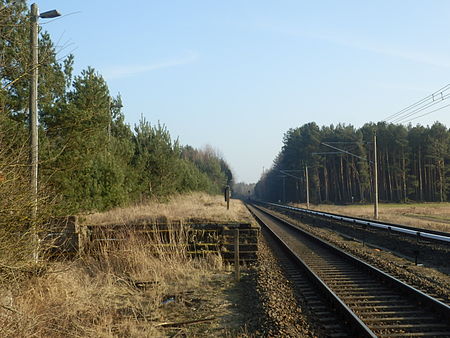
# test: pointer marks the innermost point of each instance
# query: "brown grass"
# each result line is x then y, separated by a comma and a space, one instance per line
435, 216
100, 296
200, 206
18, 229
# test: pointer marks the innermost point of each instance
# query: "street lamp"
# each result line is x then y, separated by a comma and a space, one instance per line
34, 44
34, 98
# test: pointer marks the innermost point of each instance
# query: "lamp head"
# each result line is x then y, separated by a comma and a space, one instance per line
50, 14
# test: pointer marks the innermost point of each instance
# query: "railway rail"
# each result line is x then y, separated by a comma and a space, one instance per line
438, 236
370, 302
418, 248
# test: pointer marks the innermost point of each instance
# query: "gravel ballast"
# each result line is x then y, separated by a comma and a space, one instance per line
426, 279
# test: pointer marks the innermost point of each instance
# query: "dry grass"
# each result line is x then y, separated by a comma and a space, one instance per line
434, 216
18, 229
199, 206
100, 296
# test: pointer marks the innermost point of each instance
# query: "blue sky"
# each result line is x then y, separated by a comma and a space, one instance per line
238, 74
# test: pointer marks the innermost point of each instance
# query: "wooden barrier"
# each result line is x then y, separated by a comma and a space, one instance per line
61, 236
196, 237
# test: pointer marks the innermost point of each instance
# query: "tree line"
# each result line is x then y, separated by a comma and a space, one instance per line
412, 164
89, 157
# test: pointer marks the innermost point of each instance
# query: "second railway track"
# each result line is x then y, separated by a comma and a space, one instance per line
370, 302
416, 248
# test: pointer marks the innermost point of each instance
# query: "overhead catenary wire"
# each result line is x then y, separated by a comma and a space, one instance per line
402, 119
427, 113
431, 96
424, 105
408, 114
348, 142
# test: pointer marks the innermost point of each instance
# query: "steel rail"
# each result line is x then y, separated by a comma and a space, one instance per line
410, 231
441, 309
344, 311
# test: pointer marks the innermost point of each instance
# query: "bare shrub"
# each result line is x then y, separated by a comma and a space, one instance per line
119, 290
17, 228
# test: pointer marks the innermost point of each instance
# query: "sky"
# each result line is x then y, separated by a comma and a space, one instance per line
237, 74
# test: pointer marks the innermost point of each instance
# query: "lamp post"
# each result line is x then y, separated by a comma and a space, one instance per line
34, 98
33, 105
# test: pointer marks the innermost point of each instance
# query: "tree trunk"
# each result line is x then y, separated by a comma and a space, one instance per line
389, 177
441, 179
405, 192
341, 171
420, 178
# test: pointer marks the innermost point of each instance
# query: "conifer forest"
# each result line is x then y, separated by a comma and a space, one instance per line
412, 164
89, 157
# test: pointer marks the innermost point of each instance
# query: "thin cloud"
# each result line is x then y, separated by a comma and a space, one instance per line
120, 72
417, 57
423, 58
402, 86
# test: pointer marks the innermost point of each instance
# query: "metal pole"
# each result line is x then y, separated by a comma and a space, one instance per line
33, 107
284, 189
375, 175
307, 187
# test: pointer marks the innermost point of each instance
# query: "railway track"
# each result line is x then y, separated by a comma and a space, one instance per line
431, 248
431, 235
367, 301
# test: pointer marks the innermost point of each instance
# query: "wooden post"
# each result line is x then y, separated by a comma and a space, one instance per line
81, 231
237, 273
